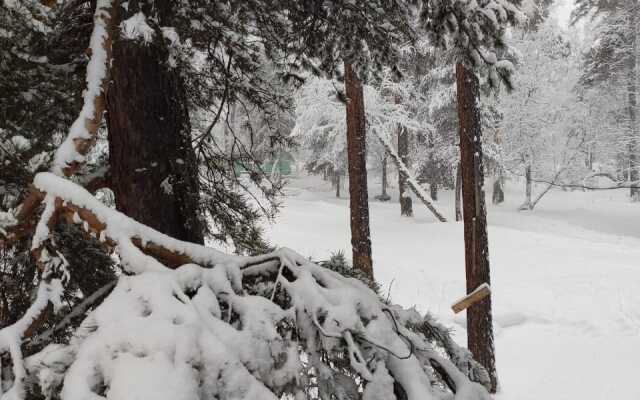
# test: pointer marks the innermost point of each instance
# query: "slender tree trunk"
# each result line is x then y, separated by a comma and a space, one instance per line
433, 191
479, 319
527, 189
336, 182
458, 190
384, 176
356, 153
498, 191
406, 206
152, 163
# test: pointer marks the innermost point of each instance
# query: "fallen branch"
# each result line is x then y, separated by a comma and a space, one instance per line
411, 181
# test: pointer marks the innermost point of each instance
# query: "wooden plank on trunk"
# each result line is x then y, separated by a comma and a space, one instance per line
472, 298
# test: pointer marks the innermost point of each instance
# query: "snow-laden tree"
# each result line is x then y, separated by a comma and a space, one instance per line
612, 65
320, 124
543, 131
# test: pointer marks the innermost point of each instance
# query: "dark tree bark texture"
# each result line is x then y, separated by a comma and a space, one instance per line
479, 318
356, 153
152, 163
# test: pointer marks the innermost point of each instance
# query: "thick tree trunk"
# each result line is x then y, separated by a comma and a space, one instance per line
356, 153
152, 163
406, 206
458, 190
479, 319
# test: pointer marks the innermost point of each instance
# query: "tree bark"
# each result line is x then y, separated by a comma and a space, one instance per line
479, 318
527, 189
356, 154
406, 206
458, 189
153, 165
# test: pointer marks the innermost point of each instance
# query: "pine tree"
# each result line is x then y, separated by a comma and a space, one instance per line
149, 128
477, 31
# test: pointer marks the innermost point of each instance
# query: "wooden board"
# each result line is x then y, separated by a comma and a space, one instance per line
478, 294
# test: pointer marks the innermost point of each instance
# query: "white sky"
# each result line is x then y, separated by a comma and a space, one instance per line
561, 11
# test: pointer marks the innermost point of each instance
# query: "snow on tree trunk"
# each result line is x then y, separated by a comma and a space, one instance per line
357, 159
152, 163
406, 207
458, 190
479, 318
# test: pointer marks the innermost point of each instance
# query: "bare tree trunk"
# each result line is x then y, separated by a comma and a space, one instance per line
479, 318
458, 189
527, 189
406, 206
356, 153
384, 176
152, 163
498, 191
336, 182
433, 191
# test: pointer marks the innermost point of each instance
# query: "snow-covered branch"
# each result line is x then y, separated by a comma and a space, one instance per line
411, 180
71, 154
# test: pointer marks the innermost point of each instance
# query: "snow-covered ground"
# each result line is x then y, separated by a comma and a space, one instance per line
565, 280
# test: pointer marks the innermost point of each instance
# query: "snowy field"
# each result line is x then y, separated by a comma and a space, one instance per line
565, 279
